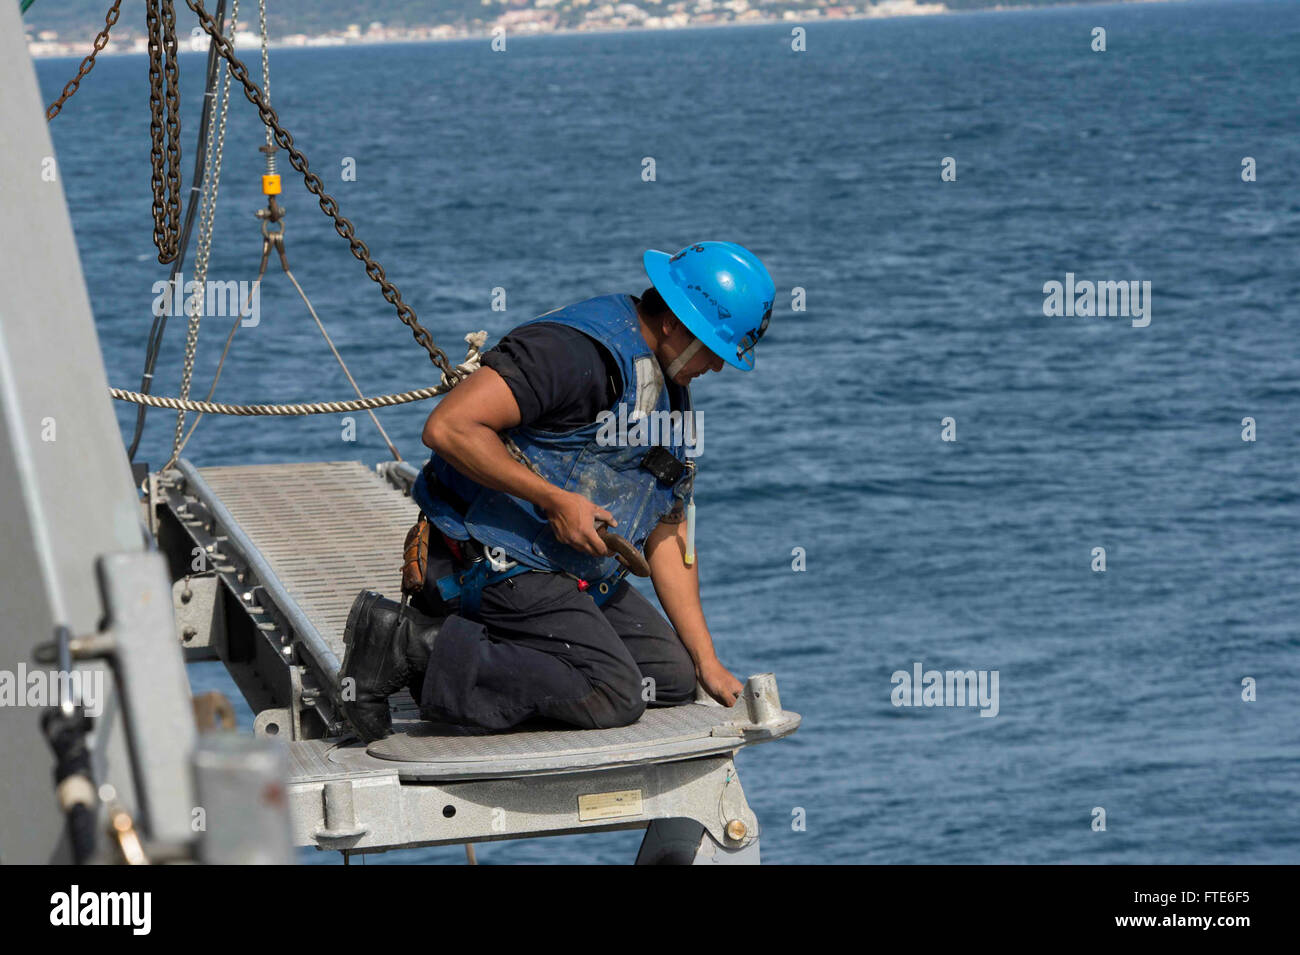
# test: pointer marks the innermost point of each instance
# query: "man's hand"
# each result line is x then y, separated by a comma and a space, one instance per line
573, 520
718, 682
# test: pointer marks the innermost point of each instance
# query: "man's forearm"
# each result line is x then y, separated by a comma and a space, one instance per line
465, 430
678, 589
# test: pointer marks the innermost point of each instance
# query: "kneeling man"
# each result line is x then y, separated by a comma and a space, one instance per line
540, 463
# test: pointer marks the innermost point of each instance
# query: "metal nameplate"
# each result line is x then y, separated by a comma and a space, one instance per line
615, 805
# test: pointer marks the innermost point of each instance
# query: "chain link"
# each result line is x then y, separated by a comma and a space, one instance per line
211, 184
329, 205
172, 73
164, 127
266, 82
87, 64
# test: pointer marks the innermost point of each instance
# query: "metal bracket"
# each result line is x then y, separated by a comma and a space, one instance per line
200, 616
273, 722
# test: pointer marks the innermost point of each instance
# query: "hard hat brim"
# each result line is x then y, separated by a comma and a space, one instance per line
656, 267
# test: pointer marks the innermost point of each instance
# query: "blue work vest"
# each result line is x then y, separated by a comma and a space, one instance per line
609, 474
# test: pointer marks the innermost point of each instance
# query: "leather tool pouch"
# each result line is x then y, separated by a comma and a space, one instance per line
415, 557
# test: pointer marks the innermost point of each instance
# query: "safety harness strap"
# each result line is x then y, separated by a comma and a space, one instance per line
680, 361
467, 585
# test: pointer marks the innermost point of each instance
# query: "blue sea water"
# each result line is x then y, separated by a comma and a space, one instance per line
522, 170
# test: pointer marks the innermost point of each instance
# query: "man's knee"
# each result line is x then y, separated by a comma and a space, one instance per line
622, 701
670, 684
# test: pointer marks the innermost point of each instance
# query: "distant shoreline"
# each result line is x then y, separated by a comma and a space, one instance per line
325, 41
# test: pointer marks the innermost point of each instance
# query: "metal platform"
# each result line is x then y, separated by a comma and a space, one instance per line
267, 560
326, 530
427, 751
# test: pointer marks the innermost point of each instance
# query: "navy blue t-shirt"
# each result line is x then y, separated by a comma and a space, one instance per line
560, 377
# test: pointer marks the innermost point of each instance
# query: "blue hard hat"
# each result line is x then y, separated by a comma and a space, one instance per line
721, 292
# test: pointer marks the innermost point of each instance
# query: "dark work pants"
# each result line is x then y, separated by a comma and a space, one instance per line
544, 649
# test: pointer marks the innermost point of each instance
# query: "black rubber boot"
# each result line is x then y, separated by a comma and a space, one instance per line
388, 648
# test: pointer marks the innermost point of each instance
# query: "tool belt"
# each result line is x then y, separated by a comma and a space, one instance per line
462, 589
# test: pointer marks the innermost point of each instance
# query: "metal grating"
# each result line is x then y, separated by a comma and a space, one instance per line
430, 742
327, 529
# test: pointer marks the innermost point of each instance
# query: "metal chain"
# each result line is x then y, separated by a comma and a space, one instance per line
266, 81
329, 205
273, 212
165, 131
212, 169
172, 71
212, 160
88, 63
230, 337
